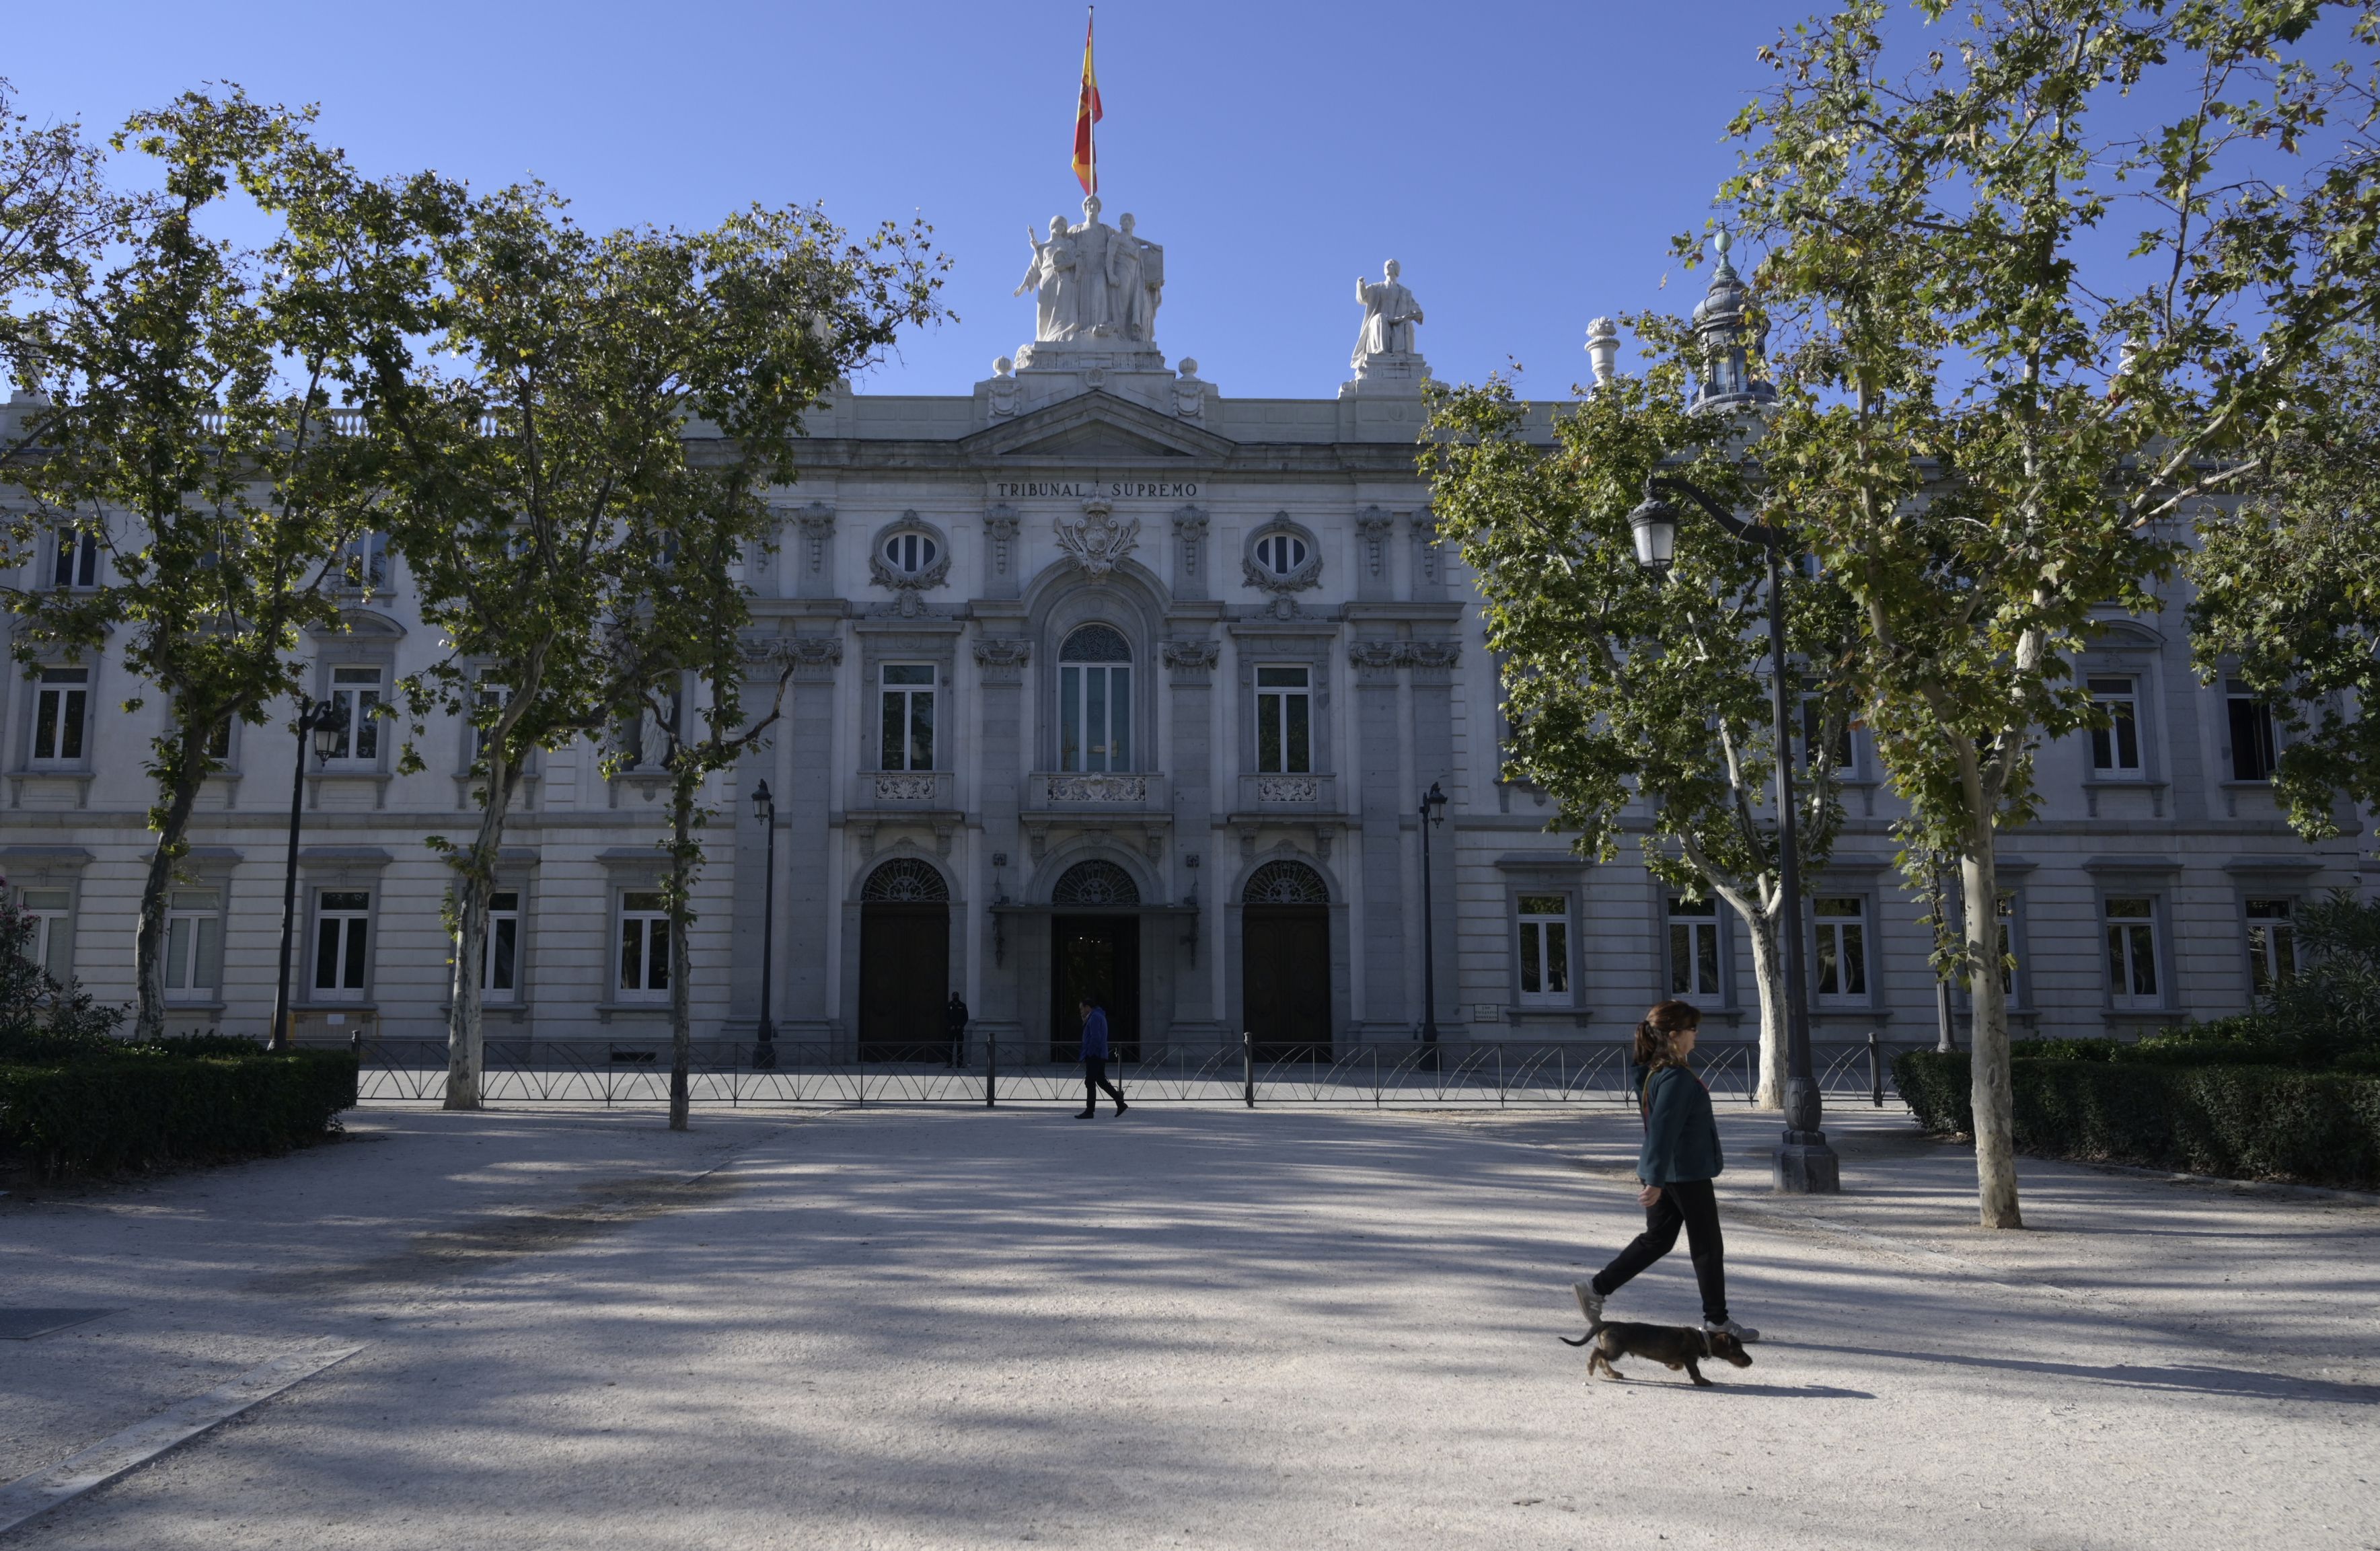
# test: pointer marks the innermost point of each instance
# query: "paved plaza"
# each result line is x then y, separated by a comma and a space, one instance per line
913, 1328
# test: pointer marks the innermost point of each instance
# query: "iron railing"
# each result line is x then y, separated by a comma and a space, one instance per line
623, 1071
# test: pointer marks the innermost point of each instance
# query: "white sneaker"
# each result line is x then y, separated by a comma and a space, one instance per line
1590, 1302
1741, 1332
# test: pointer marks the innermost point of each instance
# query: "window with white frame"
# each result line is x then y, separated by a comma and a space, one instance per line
363, 562
193, 944
1281, 553
500, 958
2256, 746
1694, 947
910, 553
2012, 963
2132, 952
2115, 748
2272, 945
906, 716
52, 910
1842, 958
1095, 701
341, 933
486, 703
74, 561
355, 704
219, 740
61, 715
1545, 949
644, 947
1285, 720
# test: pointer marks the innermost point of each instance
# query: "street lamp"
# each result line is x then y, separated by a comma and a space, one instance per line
320, 721
764, 809
1805, 1165
1433, 813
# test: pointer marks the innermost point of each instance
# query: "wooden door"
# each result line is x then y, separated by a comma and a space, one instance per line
1285, 980
905, 978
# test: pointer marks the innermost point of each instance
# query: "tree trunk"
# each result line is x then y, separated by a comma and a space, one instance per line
148, 940
475, 881
681, 957
1768, 975
1988, 1040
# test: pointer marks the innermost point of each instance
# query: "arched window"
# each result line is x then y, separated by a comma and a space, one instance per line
1286, 883
904, 880
910, 553
1281, 553
1095, 701
1095, 883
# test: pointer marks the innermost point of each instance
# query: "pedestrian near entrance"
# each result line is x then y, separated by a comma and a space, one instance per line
1677, 1163
954, 1023
1095, 1061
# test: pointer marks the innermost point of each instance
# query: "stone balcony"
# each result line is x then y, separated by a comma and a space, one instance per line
1288, 793
902, 791
1133, 803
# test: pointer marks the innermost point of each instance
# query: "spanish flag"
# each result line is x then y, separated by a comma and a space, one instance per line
1086, 112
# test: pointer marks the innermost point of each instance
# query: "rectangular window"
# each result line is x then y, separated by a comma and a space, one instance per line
341, 922
499, 954
219, 740
1694, 947
2256, 751
1813, 728
1545, 948
2132, 953
50, 909
76, 559
193, 944
1095, 716
2008, 962
2115, 748
488, 700
1843, 948
363, 564
354, 701
908, 715
644, 947
1285, 720
61, 710
2271, 946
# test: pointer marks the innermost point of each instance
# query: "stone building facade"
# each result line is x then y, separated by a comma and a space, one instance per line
1106, 680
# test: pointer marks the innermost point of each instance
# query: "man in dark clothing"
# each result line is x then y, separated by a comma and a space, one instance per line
1095, 1061
954, 1023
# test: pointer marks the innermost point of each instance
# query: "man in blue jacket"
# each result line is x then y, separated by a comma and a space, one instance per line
1095, 1059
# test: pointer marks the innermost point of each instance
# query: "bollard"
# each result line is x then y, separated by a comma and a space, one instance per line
1875, 1071
990, 1068
1248, 1067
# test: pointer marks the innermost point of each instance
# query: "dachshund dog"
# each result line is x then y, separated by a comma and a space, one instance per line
1673, 1346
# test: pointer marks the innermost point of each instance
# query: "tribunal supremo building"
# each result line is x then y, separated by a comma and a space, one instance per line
1106, 683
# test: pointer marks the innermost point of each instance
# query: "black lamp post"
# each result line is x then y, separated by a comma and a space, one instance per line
764, 808
1433, 813
1805, 1165
320, 721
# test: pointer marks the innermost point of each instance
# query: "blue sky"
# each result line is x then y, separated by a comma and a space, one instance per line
1525, 161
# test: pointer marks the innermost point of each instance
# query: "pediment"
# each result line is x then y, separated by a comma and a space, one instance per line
1097, 425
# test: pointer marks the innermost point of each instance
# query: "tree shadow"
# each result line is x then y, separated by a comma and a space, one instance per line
2183, 1379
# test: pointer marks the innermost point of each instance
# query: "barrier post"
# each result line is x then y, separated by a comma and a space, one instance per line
1875, 1071
991, 1069
1248, 1067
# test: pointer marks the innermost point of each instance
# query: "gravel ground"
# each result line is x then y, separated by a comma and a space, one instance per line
911, 1328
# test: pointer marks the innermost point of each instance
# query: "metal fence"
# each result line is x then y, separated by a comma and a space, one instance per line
1478, 1074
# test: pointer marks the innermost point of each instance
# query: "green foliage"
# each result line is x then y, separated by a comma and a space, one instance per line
41, 1020
144, 1108
57, 215
2236, 1122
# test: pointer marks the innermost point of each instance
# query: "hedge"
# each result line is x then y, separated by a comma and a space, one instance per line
2255, 1122
148, 1107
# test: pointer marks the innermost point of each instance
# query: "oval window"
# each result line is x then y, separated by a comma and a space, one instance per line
1281, 553
909, 553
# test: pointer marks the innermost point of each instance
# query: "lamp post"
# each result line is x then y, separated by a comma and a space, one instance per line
1433, 813
320, 721
764, 1048
1806, 1164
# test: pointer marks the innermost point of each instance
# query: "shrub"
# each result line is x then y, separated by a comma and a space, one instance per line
2236, 1121
41, 1020
141, 1106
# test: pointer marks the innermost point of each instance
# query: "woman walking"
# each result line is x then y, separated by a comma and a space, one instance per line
1095, 1061
1677, 1163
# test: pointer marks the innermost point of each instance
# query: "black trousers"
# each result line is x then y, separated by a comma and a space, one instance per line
1095, 1077
1690, 1205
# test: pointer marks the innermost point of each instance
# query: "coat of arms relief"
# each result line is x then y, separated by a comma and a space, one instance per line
1095, 541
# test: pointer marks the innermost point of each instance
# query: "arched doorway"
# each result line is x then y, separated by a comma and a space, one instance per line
1285, 961
1095, 952
904, 962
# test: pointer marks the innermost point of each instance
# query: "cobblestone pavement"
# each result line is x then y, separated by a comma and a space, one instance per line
1198, 1327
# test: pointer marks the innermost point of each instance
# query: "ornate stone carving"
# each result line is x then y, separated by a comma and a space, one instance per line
1374, 526
814, 657
1190, 654
905, 786
999, 524
1093, 281
922, 565
1190, 532
1002, 658
1432, 654
1189, 393
1426, 554
1375, 660
1093, 788
1282, 558
1287, 789
1095, 541
1003, 388
817, 523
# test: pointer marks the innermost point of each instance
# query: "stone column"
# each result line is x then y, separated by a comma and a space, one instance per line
1380, 771
1433, 664
808, 893
1192, 662
1000, 666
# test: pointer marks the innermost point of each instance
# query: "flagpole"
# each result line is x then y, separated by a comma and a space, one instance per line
1090, 25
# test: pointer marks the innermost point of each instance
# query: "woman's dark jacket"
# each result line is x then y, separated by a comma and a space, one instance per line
1680, 1132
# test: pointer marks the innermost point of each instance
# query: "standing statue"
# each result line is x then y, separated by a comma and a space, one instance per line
1094, 317
1053, 278
1136, 278
1390, 314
